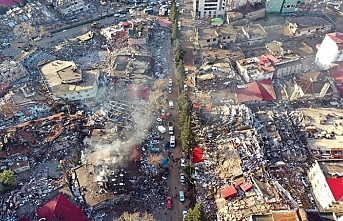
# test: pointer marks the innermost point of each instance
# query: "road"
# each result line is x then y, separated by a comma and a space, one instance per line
174, 180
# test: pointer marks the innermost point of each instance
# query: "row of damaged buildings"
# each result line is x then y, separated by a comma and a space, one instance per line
276, 70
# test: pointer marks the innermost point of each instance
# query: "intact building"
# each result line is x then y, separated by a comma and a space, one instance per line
330, 51
209, 8
213, 36
255, 69
326, 178
70, 6
64, 80
282, 6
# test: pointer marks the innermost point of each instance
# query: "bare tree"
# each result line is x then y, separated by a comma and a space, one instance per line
154, 159
128, 217
135, 217
43, 31
25, 30
147, 217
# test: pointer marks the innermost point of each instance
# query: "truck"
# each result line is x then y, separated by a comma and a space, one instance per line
171, 127
161, 129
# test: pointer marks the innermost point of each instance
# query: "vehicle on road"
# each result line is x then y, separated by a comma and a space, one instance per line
184, 214
166, 145
185, 87
182, 177
171, 104
171, 127
182, 196
182, 162
170, 83
169, 202
163, 112
170, 91
172, 141
96, 25
154, 150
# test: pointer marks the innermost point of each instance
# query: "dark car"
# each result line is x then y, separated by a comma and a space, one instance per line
96, 25
166, 145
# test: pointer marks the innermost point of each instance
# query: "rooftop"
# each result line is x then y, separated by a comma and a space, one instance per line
286, 215
337, 37
206, 33
226, 29
63, 76
252, 31
308, 21
256, 91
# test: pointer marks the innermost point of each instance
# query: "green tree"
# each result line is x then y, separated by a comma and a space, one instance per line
7, 177
196, 214
173, 12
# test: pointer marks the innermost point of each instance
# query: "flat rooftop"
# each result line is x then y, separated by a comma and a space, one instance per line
308, 21
255, 31
226, 29
324, 119
331, 168
206, 33
64, 76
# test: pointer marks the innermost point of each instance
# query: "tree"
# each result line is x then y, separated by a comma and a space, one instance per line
173, 12
7, 177
24, 29
136, 217
43, 31
196, 214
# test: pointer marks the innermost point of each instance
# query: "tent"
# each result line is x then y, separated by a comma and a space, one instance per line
197, 155
229, 192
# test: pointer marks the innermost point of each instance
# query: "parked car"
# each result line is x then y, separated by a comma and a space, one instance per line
182, 196
170, 82
184, 214
169, 202
166, 145
170, 91
182, 177
182, 162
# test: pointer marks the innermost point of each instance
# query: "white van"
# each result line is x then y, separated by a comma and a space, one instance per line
161, 129
171, 104
172, 141
182, 196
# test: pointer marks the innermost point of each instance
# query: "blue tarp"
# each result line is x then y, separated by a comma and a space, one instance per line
164, 161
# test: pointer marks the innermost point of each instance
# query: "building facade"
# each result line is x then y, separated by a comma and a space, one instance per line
255, 69
64, 80
282, 6
210, 36
330, 51
308, 26
326, 182
209, 8
66, 7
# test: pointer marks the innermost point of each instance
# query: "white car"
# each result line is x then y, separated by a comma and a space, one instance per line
184, 214
170, 91
170, 82
182, 177
116, 15
182, 162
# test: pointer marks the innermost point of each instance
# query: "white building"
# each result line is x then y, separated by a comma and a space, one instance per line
326, 181
330, 51
71, 6
209, 8
255, 69
64, 80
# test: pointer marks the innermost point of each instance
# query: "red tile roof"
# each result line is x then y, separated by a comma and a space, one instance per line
337, 74
60, 208
229, 192
256, 91
9, 2
337, 37
336, 187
